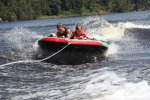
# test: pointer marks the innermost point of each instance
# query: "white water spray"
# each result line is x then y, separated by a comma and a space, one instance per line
21, 41
96, 27
100, 29
109, 86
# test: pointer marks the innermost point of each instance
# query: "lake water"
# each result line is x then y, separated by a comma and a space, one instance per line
124, 74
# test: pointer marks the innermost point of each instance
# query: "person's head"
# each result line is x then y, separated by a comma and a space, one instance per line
78, 28
60, 28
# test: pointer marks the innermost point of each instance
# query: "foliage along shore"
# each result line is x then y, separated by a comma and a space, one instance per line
12, 10
66, 16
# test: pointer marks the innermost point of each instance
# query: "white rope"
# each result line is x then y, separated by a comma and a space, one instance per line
34, 61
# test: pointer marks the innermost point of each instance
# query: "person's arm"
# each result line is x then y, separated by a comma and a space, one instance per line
84, 34
69, 34
52, 35
58, 35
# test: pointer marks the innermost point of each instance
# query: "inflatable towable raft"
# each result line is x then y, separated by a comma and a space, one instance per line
53, 43
77, 51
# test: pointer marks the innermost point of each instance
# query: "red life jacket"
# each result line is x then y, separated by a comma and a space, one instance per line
82, 33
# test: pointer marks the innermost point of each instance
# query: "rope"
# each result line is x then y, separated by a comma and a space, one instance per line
34, 61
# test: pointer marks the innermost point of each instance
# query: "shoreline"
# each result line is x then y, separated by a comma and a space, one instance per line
53, 17
64, 16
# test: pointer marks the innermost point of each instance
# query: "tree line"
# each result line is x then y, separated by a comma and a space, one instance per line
11, 10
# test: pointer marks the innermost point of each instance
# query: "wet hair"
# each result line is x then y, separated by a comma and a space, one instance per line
78, 26
60, 25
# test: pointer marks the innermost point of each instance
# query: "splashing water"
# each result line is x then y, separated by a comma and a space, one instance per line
35, 61
21, 42
132, 25
18, 37
112, 50
98, 84
24, 41
109, 86
100, 29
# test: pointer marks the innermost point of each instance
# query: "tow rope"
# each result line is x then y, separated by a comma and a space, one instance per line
34, 61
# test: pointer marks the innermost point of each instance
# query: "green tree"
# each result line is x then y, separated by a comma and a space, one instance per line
78, 6
120, 5
12, 10
3, 11
55, 6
